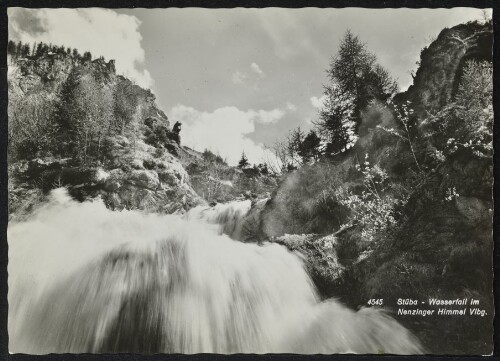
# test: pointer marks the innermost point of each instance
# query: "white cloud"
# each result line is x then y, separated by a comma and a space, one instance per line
256, 69
269, 116
103, 32
291, 107
238, 77
224, 131
318, 102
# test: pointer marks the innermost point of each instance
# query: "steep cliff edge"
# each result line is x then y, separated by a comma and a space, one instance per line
441, 65
131, 162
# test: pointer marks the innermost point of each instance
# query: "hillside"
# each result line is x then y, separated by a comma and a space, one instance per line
133, 160
436, 180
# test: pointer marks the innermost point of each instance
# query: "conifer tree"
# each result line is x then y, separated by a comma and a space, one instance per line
309, 148
19, 49
87, 56
354, 70
11, 48
243, 163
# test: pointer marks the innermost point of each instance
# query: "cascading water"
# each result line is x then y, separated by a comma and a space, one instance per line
85, 279
228, 216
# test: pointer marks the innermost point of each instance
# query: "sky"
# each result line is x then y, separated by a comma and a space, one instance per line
237, 79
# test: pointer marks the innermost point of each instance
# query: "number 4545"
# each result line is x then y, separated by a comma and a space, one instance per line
376, 302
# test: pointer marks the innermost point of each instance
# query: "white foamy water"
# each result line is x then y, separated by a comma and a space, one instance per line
83, 278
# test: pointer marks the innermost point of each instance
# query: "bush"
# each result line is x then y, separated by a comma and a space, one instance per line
374, 209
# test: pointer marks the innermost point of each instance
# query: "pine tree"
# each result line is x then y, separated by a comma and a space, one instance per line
243, 163
11, 48
310, 147
356, 72
336, 120
19, 49
87, 56
25, 50
39, 49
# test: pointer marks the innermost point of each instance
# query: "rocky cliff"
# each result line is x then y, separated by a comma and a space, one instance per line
139, 164
441, 65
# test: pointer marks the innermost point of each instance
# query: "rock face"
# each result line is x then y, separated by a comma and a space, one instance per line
140, 168
442, 62
144, 177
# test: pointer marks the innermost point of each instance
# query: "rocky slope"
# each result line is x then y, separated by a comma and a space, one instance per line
140, 167
442, 243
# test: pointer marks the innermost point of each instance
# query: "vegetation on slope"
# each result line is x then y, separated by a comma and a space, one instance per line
410, 201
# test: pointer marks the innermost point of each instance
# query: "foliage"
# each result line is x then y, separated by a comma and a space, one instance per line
354, 70
309, 147
336, 119
243, 162
31, 126
158, 135
40, 49
406, 133
466, 123
213, 180
293, 151
209, 156
125, 100
85, 115
374, 209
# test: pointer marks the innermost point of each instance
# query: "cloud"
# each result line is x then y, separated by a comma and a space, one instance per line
291, 107
238, 77
103, 32
318, 102
224, 131
256, 69
269, 116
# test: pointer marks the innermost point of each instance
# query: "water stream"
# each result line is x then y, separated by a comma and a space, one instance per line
83, 278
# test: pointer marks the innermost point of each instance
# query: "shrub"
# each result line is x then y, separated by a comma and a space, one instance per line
374, 209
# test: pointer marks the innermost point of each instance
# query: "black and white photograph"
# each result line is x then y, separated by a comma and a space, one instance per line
250, 180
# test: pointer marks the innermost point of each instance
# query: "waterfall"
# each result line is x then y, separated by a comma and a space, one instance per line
83, 278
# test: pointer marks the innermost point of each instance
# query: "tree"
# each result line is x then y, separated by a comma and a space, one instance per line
11, 48
19, 49
87, 56
213, 180
84, 115
126, 101
31, 130
39, 49
354, 70
25, 50
309, 148
283, 155
243, 163
336, 119
263, 169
